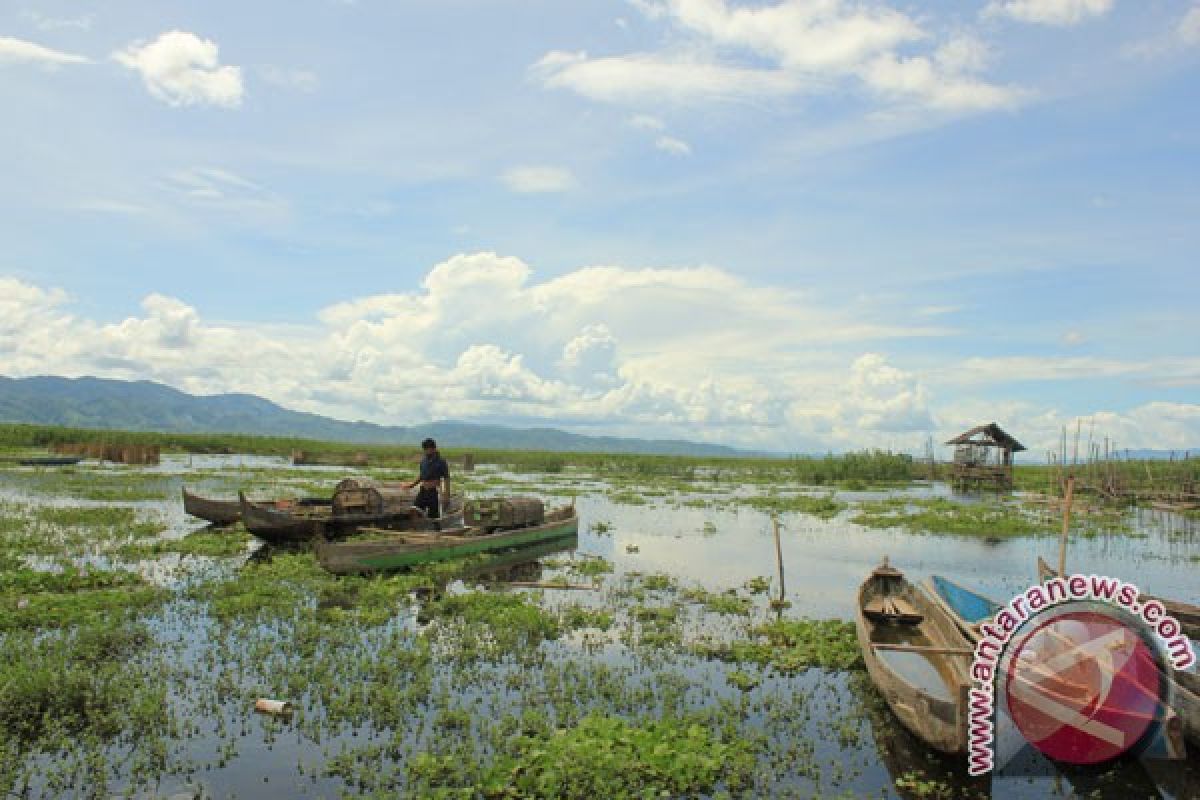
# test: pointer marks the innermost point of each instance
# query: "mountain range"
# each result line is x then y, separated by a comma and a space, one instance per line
148, 406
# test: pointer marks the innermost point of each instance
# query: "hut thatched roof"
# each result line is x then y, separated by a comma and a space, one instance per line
990, 435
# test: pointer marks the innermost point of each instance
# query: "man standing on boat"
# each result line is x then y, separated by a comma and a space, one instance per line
435, 474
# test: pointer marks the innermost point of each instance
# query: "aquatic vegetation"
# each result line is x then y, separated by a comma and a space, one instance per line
938, 515
576, 617
278, 585
592, 567
75, 681
652, 683
791, 645
824, 506
118, 518
628, 498
491, 624
728, 602
58, 609
608, 757
757, 585
204, 542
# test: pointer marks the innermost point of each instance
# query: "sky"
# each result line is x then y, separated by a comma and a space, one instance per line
793, 225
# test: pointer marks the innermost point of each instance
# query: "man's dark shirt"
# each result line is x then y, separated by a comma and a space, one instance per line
434, 468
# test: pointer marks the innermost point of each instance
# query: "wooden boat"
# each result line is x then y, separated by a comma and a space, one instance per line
969, 608
302, 524
1187, 614
227, 512
966, 607
926, 678
218, 512
50, 461
386, 550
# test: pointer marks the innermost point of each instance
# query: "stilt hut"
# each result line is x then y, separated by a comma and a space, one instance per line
983, 457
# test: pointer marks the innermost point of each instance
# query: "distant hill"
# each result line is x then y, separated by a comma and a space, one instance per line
149, 406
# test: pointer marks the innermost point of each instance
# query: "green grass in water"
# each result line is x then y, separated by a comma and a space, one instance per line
608, 757
791, 645
939, 515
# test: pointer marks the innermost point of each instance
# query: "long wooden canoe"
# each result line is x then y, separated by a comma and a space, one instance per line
301, 524
1187, 614
50, 461
926, 690
389, 550
968, 608
227, 512
965, 606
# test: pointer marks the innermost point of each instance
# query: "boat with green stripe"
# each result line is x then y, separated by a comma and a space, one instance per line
376, 550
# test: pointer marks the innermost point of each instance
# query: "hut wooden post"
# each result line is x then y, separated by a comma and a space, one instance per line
1066, 526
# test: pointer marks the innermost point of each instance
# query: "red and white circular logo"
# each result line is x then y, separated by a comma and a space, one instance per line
1083, 687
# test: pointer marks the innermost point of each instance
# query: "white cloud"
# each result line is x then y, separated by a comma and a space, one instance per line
301, 80
791, 47
1183, 34
1188, 29
920, 79
648, 77
19, 51
44, 23
645, 122
1004, 369
653, 352
1073, 338
181, 69
1049, 12
538, 179
481, 339
1155, 425
676, 147
221, 190
937, 311
880, 397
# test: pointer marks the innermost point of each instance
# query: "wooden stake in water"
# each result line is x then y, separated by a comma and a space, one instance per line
1066, 526
778, 561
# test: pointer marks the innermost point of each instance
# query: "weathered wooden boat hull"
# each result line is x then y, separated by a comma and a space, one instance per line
966, 607
1186, 701
940, 722
400, 551
227, 512
278, 526
218, 512
1187, 614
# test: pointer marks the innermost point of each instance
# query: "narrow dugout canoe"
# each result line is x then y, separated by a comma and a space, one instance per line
300, 524
227, 512
396, 550
927, 691
1187, 613
966, 607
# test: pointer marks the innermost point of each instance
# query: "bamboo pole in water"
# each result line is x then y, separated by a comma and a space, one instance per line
778, 560
1066, 526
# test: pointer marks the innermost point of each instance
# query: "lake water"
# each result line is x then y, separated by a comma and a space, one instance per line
840, 737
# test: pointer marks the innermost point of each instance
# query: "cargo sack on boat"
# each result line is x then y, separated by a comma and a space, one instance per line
505, 512
364, 496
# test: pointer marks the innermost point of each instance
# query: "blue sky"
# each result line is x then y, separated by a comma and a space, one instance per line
803, 224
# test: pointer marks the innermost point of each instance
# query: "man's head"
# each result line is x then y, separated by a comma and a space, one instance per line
429, 446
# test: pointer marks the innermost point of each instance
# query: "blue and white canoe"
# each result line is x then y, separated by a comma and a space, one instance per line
966, 607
